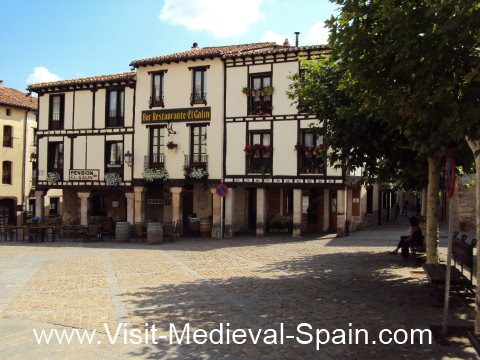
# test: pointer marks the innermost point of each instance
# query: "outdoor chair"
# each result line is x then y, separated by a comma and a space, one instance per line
168, 231
107, 228
92, 232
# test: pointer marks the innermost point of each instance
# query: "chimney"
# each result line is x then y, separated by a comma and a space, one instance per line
1, 83
195, 45
296, 38
286, 43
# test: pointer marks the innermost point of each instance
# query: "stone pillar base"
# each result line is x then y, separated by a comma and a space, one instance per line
297, 231
216, 231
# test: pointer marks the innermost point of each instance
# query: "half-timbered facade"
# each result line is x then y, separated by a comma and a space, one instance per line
85, 128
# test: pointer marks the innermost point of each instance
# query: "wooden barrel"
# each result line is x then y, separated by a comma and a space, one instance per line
154, 233
122, 232
205, 227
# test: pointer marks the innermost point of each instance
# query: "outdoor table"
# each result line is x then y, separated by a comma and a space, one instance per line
43, 231
74, 230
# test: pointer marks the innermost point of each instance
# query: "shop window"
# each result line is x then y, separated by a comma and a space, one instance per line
7, 136
288, 202
115, 108
57, 109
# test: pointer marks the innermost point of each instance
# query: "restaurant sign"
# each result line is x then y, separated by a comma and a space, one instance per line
84, 175
183, 114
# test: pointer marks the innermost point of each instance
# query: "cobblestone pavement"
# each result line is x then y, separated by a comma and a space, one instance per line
328, 282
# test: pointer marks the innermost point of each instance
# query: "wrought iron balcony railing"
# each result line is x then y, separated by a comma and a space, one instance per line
259, 164
197, 161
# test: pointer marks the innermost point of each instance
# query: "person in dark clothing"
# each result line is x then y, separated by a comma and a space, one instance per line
414, 239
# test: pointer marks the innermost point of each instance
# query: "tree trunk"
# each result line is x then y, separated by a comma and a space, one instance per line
432, 220
475, 146
424, 203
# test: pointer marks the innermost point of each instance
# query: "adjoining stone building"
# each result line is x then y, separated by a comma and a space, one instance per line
18, 121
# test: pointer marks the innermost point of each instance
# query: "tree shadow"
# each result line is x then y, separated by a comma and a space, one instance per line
329, 291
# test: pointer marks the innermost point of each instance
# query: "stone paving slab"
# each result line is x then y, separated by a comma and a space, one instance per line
248, 282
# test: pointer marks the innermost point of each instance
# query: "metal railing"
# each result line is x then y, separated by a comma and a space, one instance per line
198, 98
157, 161
156, 101
259, 164
197, 161
311, 164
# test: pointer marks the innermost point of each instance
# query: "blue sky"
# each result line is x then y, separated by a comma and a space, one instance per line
46, 40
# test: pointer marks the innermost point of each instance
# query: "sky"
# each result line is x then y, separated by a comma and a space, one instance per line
48, 40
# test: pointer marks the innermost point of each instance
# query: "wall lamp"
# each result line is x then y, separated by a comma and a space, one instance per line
128, 158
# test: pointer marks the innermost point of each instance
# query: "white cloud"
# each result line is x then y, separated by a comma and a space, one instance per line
42, 74
271, 35
219, 17
317, 35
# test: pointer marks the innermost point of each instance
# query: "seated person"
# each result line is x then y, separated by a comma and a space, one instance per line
414, 239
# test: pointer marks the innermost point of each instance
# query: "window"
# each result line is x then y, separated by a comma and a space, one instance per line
261, 100
114, 157
259, 152
115, 108
7, 136
57, 109
288, 202
199, 91
7, 172
53, 210
157, 90
198, 147
8, 112
157, 145
55, 158
311, 154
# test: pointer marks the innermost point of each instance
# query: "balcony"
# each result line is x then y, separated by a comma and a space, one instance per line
156, 101
114, 168
156, 161
197, 161
311, 164
259, 164
198, 98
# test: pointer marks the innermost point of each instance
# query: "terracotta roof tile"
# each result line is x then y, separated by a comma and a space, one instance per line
84, 81
13, 97
206, 52
281, 50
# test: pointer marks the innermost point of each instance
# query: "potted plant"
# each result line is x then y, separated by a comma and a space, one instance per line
195, 173
267, 90
155, 174
171, 145
247, 90
112, 179
248, 149
257, 149
53, 177
268, 150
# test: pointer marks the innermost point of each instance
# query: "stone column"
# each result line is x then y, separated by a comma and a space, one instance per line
261, 211
229, 213
176, 206
326, 209
216, 215
139, 214
130, 207
341, 212
84, 207
39, 204
297, 213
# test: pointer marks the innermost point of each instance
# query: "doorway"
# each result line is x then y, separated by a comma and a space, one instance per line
187, 204
333, 211
252, 208
8, 211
